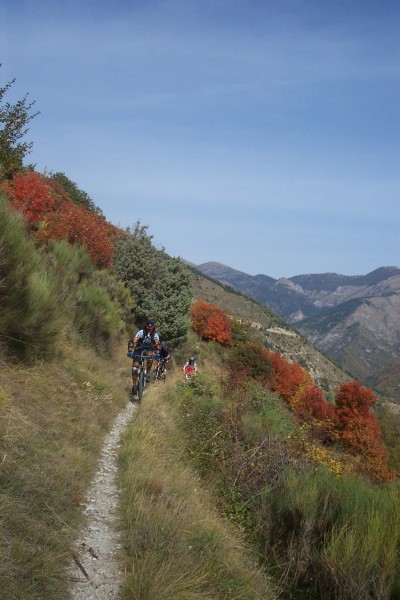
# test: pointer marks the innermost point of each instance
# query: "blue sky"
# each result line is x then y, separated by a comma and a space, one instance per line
261, 134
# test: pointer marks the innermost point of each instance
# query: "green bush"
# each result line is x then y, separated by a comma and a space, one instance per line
248, 361
339, 536
118, 293
71, 265
334, 537
97, 317
29, 308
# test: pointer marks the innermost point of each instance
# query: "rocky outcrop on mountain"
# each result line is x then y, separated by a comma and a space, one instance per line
355, 320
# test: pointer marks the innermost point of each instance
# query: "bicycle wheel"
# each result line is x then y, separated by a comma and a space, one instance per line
141, 384
155, 374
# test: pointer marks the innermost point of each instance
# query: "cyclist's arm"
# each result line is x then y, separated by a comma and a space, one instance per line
134, 341
157, 343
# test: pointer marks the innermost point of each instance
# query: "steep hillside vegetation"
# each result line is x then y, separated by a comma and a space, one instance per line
267, 326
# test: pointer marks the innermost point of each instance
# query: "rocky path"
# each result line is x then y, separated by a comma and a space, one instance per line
95, 571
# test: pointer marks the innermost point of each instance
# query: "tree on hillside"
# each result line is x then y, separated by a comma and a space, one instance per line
76, 195
137, 263
14, 119
159, 284
169, 300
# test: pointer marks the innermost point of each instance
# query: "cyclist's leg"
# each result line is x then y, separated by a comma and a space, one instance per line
149, 357
135, 369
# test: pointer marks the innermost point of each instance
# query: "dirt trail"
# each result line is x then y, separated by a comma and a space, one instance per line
95, 572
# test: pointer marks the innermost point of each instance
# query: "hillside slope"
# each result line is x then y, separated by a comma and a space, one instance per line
272, 330
355, 320
363, 334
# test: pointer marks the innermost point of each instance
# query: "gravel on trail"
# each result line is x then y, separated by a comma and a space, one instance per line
95, 571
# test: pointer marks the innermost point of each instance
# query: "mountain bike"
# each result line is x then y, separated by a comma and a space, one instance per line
142, 372
159, 371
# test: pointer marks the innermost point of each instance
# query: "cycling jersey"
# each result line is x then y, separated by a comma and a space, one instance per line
147, 340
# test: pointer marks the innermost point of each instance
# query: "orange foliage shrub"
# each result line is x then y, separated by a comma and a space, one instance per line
30, 194
289, 378
58, 192
296, 386
77, 225
211, 322
359, 429
319, 414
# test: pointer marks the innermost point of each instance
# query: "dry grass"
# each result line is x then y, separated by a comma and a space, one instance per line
178, 546
53, 419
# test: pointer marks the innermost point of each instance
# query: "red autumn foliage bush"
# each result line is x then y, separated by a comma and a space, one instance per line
211, 322
79, 226
288, 377
359, 431
319, 414
30, 194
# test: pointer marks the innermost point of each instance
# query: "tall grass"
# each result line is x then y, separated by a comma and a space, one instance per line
29, 308
177, 544
97, 317
342, 534
53, 418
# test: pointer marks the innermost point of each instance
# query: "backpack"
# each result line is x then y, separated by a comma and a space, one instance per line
147, 339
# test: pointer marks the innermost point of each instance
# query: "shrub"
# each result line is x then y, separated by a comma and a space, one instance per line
30, 194
97, 317
80, 227
211, 322
338, 536
118, 293
71, 265
359, 430
249, 361
30, 313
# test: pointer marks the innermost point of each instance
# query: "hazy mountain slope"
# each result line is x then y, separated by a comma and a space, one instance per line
353, 319
363, 335
330, 289
271, 328
304, 296
282, 296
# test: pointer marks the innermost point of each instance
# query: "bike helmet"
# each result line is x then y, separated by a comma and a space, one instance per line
149, 326
191, 360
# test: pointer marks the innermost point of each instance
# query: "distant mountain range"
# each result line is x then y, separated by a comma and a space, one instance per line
354, 319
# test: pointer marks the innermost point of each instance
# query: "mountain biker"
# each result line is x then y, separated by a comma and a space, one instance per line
145, 340
165, 353
190, 367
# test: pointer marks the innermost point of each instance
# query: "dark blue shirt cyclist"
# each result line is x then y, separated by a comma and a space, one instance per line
145, 341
